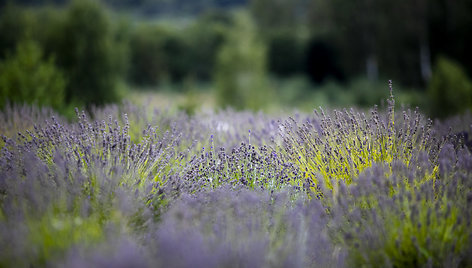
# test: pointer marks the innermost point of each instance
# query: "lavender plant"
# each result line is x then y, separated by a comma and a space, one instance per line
128, 186
238, 227
16, 118
404, 219
336, 148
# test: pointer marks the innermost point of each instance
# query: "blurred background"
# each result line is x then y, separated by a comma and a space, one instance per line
247, 54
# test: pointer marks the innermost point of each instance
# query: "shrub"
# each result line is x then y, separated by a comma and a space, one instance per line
450, 89
27, 77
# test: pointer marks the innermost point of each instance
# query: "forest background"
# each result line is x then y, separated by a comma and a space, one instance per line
246, 54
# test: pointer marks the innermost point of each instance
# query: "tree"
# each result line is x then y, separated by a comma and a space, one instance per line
14, 26
26, 77
85, 50
377, 36
450, 30
148, 61
274, 14
241, 67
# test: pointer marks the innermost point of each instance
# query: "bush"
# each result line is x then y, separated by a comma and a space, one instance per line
27, 77
450, 89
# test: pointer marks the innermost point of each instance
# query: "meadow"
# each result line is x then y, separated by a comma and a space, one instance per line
128, 185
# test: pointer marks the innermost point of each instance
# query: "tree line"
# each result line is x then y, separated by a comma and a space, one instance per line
87, 51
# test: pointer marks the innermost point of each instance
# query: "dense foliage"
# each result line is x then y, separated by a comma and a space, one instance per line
89, 55
240, 73
85, 47
101, 45
450, 89
27, 77
141, 187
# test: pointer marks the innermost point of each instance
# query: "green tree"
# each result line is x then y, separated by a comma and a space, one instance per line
86, 50
377, 37
285, 53
240, 75
274, 14
148, 59
15, 25
27, 77
159, 53
210, 30
450, 30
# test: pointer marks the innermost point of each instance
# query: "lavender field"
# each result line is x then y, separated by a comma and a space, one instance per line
129, 186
